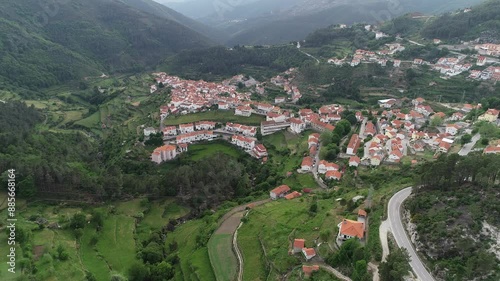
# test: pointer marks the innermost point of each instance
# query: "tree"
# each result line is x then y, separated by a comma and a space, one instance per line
326, 137
352, 119
396, 265
78, 221
314, 207
138, 272
152, 253
97, 219
360, 271
436, 121
466, 138
27, 187
62, 254
162, 271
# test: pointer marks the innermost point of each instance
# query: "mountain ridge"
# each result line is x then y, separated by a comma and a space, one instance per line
40, 48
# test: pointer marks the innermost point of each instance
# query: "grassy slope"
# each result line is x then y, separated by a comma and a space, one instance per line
217, 115
194, 262
224, 265
289, 162
273, 225
115, 249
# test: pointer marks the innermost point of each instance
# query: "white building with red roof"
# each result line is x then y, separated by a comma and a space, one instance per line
333, 175
164, 153
452, 129
279, 192
259, 151
352, 147
204, 125
170, 131
491, 149
307, 164
309, 253
246, 143
186, 128
325, 166
243, 110
296, 125
354, 161
250, 131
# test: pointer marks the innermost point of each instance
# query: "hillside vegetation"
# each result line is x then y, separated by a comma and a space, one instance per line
483, 20
83, 38
456, 212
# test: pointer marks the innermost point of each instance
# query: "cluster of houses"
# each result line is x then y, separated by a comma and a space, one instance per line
396, 132
299, 246
488, 49
489, 73
285, 81
241, 136
283, 191
189, 96
451, 66
363, 56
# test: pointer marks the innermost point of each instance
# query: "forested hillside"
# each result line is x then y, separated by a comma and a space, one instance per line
456, 211
43, 45
220, 61
483, 20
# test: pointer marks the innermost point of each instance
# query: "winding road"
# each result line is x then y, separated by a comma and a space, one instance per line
399, 233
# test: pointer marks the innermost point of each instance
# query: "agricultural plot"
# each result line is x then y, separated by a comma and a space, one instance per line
266, 237
223, 262
194, 260
215, 115
200, 151
116, 242
113, 248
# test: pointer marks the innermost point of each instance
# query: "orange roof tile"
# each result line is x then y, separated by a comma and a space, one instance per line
281, 189
299, 243
352, 228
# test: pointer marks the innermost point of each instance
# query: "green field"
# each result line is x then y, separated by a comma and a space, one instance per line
224, 265
199, 151
215, 115
115, 249
273, 226
286, 152
194, 260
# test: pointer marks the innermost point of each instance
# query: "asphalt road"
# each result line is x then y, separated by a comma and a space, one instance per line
398, 230
468, 146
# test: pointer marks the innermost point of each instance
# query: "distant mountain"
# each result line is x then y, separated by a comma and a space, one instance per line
152, 7
43, 45
280, 21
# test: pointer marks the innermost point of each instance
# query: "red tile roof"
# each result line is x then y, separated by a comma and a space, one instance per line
292, 195
352, 228
299, 243
307, 161
281, 189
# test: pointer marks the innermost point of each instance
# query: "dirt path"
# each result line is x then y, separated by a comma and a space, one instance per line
229, 224
334, 272
374, 269
383, 230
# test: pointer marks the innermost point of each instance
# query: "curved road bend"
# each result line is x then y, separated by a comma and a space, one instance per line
398, 230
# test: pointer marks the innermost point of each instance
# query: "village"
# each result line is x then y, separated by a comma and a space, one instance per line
393, 131
446, 66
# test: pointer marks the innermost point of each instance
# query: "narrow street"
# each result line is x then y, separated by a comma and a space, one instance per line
466, 149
